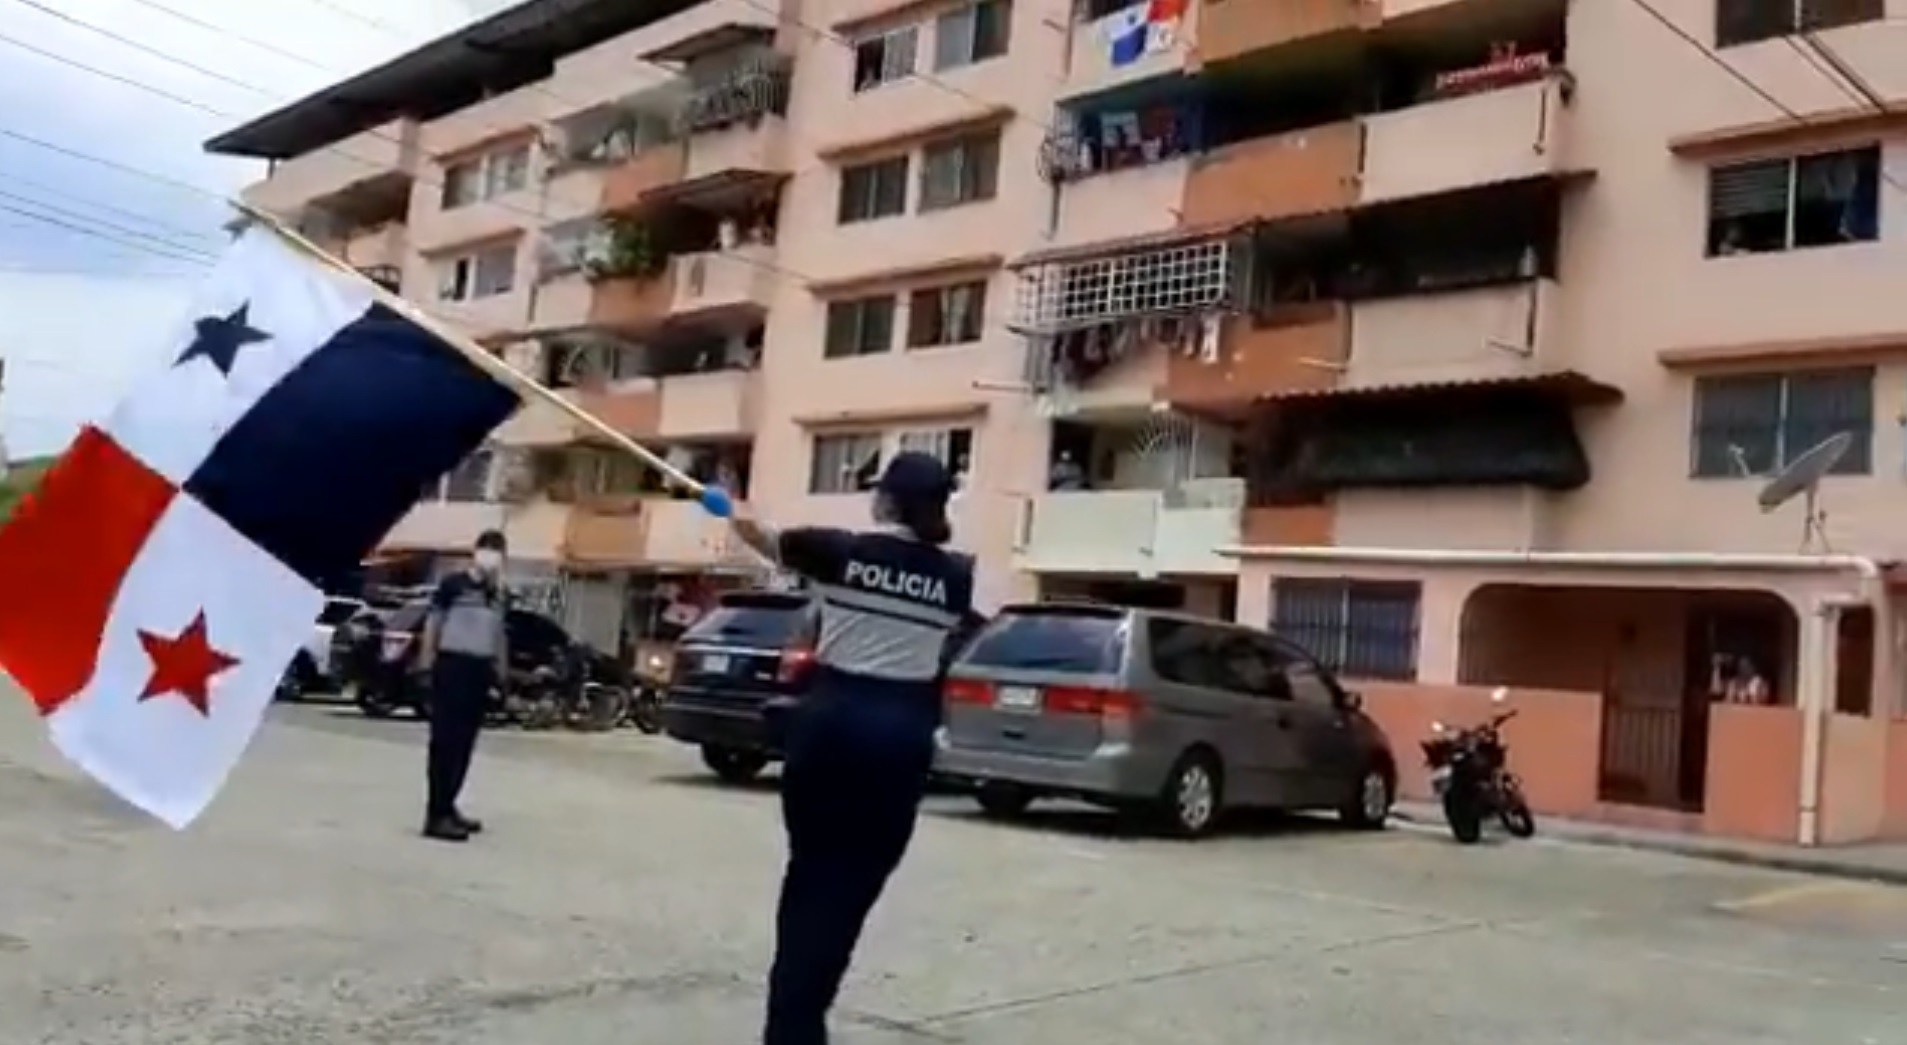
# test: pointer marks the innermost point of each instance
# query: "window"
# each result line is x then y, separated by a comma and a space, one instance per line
952, 315
964, 170
486, 177
873, 190
1077, 640
1809, 201
845, 463
486, 273
1756, 424
1746, 21
1363, 629
953, 446
970, 34
884, 58
1208, 657
859, 327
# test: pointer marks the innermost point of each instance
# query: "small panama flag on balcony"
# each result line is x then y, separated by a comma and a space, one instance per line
165, 571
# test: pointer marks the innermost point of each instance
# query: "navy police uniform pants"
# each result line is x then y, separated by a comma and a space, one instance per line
459, 695
852, 785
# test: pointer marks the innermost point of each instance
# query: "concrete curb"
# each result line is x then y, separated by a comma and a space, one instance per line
1826, 862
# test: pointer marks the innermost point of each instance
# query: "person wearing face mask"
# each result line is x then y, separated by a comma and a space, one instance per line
892, 604
463, 650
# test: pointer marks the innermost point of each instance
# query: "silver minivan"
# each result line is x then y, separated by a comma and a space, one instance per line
1168, 713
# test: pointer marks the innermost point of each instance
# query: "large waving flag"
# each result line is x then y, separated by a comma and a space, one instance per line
168, 566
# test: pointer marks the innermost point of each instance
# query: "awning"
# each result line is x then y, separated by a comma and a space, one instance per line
1578, 388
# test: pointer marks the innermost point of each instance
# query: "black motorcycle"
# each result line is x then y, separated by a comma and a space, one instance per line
569, 693
1469, 771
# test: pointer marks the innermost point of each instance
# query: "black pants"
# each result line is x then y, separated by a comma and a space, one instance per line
459, 693
850, 791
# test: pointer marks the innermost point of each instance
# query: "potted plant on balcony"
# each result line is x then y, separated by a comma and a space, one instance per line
630, 252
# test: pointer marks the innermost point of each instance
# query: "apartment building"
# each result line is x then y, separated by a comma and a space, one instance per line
1456, 338
1497, 317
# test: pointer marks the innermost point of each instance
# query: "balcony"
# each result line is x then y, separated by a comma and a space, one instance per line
1231, 29
712, 405
1121, 204
632, 409
760, 146
536, 530
1479, 139
390, 151
443, 525
376, 248
712, 284
606, 532
1463, 335
1312, 171
682, 535
564, 301
1092, 69
623, 186
1127, 532
537, 424
631, 304
1301, 347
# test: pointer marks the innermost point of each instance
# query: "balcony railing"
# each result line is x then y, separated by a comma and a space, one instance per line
1300, 347
753, 89
1485, 138
1311, 171
1143, 532
1487, 332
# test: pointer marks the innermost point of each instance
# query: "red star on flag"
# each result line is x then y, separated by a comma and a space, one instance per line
184, 665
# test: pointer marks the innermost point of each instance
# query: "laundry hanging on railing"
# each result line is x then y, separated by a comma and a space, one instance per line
1144, 28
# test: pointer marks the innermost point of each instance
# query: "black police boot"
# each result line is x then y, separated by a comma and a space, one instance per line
470, 824
446, 829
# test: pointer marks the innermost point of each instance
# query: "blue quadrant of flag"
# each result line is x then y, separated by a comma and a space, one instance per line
332, 455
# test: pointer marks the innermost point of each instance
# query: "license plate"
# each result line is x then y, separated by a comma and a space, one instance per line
1017, 698
715, 663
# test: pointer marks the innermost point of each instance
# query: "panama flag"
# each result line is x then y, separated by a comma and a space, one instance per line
170, 563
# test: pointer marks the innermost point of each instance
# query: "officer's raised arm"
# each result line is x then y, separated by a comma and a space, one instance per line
815, 552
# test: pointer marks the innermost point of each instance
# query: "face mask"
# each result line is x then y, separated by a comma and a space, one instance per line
489, 561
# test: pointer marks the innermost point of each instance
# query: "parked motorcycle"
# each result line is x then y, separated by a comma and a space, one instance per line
567, 696
1469, 772
651, 679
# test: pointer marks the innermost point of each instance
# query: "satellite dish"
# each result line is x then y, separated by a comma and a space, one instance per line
1803, 476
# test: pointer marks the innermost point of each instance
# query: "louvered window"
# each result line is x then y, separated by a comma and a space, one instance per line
1821, 200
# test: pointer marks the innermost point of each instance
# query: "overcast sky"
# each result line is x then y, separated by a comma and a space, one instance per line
79, 309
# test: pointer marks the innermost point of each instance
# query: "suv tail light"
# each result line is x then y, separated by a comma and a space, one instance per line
795, 665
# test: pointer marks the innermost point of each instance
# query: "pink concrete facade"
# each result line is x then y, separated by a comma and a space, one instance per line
1622, 126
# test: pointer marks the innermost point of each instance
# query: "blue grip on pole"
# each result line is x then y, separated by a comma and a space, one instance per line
716, 502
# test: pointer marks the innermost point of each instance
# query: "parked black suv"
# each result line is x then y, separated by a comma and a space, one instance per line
737, 670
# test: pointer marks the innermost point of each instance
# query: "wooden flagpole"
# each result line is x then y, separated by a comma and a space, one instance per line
480, 357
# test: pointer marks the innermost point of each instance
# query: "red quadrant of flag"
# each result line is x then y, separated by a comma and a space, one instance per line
63, 555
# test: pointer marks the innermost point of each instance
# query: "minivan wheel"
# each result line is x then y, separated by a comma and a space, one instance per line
1370, 806
1193, 795
1003, 801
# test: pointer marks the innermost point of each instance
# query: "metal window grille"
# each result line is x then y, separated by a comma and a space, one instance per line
1756, 424
1192, 277
1359, 629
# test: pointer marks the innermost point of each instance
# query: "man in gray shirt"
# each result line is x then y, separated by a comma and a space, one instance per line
464, 651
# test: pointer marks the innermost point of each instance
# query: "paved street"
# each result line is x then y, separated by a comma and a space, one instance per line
619, 898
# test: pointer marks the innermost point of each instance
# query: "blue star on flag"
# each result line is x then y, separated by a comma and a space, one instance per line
219, 340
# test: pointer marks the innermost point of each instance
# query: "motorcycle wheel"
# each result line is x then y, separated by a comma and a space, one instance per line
606, 707
1515, 814
645, 712
1466, 821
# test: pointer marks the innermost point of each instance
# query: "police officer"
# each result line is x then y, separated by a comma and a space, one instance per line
860, 746
463, 650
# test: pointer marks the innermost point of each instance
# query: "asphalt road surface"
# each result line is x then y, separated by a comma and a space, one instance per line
619, 897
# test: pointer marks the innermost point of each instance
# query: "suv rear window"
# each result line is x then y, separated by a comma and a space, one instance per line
1083, 640
771, 621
